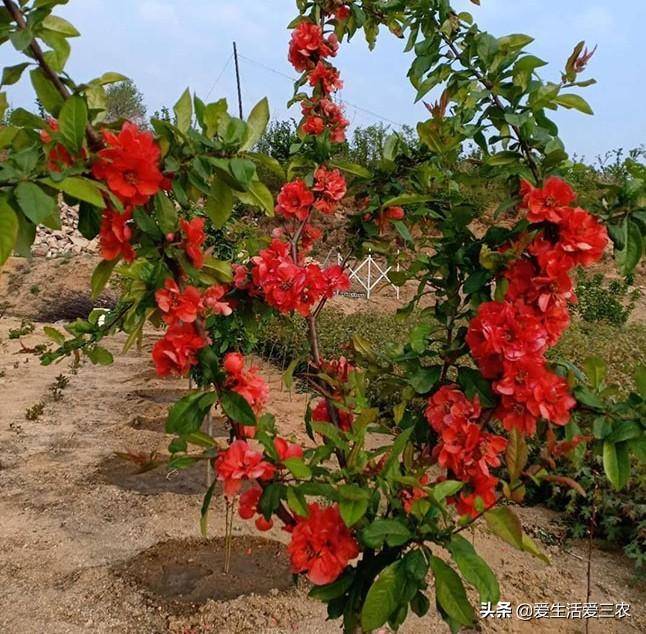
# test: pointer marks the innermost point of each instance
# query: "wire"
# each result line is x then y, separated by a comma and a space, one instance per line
348, 103
217, 81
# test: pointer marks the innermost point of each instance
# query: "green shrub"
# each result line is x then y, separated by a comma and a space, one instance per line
597, 301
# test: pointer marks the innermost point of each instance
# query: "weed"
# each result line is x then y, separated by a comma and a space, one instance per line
58, 386
35, 411
26, 328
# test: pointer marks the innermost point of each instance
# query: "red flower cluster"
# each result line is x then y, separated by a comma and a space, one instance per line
321, 115
246, 382
289, 286
249, 507
176, 353
321, 544
115, 235
464, 448
286, 449
308, 50
309, 45
58, 156
296, 200
194, 238
129, 164
508, 339
321, 414
177, 305
238, 463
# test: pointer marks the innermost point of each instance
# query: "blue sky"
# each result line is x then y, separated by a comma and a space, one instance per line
166, 45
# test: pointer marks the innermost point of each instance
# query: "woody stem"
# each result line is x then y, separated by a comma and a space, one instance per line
16, 13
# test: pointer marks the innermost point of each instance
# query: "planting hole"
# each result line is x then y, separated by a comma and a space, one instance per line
180, 574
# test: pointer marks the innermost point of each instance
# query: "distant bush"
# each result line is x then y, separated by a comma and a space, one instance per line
597, 301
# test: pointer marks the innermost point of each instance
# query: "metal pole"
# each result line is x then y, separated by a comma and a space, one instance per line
237, 65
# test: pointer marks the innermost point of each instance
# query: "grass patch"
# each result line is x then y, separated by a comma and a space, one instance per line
283, 339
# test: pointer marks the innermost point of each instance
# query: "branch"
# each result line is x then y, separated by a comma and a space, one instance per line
16, 13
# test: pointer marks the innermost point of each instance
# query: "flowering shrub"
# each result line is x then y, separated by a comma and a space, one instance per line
472, 381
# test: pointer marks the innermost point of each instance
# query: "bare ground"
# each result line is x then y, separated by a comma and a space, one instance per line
77, 526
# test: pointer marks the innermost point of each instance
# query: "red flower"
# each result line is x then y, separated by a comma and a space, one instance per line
409, 497
331, 116
321, 414
129, 164
338, 369
321, 545
58, 157
248, 506
387, 216
248, 383
308, 45
530, 391
115, 235
178, 305
547, 203
468, 452
176, 352
313, 126
309, 237
194, 238
484, 489
342, 13
502, 330
450, 405
212, 299
287, 449
582, 236
330, 186
327, 77
288, 286
238, 463
295, 200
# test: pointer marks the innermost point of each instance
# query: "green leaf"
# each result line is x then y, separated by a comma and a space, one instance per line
297, 502
11, 74
219, 205
595, 369
109, 78
258, 196
82, 189
55, 335
8, 230
352, 510
383, 597
515, 41
204, 511
40, 208
576, 102
628, 257
89, 221
72, 121
504, 523
46, 92
101, 276
450, 593
243, 173
352, 168
298, 468
99, 355
166, 213
26, 236
392, 532
402, 230
474, 384
54, 23
186, 416
256, 124
183, 110
424, 379
640, 380
616, 463
332, 590
270, 499
237, 409
516, 454
474, 569
406, 199
530, 547
446, 489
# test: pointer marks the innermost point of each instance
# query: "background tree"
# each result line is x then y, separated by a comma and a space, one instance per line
125, 101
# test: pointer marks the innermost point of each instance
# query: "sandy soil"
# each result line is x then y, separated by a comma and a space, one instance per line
81, 531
